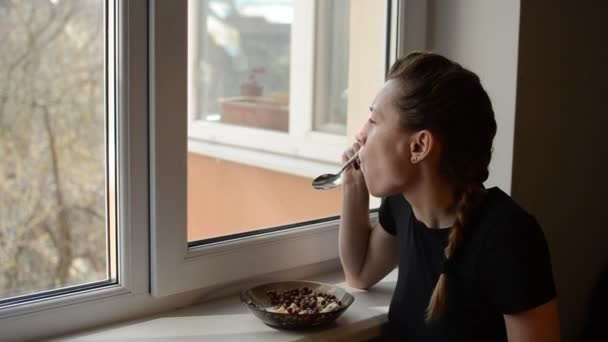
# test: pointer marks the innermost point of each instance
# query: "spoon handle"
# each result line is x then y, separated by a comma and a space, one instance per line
350, 161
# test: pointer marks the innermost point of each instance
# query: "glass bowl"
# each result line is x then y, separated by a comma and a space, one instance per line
257, 300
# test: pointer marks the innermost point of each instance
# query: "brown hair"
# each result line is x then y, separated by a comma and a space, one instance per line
448, 100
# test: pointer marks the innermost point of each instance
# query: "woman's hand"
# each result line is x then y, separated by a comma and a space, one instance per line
352, 175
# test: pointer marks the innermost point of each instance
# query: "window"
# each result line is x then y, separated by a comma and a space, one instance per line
139, 144
239, 74
72, 156
331, 66
247, 190
57, 172
240, 62
227, 60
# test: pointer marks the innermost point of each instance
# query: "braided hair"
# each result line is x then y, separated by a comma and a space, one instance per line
448, 100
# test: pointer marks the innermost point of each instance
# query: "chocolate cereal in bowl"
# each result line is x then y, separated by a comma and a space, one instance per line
296, 304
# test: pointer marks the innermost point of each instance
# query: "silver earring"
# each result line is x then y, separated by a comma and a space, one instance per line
414, 159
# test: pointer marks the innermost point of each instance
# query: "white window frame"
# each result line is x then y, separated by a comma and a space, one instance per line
175, 267
48, 316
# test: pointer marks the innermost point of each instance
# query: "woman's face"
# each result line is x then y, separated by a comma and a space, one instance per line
385, 152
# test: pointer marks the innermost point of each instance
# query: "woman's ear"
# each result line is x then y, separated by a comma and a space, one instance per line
421, 145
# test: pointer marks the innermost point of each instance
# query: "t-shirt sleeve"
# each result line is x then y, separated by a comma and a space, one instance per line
386, 218
517, 268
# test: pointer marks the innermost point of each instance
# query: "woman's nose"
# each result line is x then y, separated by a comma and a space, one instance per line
361, 137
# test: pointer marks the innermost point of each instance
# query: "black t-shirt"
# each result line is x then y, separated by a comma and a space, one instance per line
502, 267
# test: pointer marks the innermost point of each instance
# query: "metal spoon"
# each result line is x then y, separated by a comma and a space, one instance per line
330, 181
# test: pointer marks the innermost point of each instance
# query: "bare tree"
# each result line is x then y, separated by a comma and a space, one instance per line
52, 147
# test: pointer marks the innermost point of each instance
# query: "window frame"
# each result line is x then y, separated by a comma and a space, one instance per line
126, 68
176, 268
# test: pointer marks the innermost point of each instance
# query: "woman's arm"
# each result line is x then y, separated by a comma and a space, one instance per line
538, 324
380, 259
367, 253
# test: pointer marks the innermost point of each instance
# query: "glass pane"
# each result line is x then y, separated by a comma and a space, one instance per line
226, 197
331, 67
243, 42
53, 221
240, 63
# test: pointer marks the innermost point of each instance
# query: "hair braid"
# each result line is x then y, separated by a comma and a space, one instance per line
469, 200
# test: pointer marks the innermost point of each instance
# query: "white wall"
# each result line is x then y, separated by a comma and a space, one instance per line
482, 35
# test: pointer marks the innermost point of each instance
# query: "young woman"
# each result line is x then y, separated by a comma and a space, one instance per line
473, 265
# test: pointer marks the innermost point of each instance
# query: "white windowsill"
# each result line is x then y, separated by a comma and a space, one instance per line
305, 155
226, 319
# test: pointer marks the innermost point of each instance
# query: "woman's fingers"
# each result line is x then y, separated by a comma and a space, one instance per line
352, 175
356, 148
350, 152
